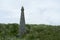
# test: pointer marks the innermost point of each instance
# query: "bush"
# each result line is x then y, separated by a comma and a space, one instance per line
33, 32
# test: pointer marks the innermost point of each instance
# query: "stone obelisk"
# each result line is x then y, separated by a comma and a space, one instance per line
22, 22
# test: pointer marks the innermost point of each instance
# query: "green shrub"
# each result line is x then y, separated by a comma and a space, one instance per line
33, 32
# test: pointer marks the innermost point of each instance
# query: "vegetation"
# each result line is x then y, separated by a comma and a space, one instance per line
33, 32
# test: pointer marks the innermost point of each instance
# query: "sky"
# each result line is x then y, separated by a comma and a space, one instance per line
36, 11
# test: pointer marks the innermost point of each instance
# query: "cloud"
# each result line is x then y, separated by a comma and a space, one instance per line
36, 11
42, 11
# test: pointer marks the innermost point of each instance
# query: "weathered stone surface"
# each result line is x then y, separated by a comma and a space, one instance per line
22, 22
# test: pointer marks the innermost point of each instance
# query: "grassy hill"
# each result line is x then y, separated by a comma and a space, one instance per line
34, 32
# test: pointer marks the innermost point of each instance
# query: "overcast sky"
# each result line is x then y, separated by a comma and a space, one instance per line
36, 11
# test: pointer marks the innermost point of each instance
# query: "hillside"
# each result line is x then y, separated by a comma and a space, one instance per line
34, 32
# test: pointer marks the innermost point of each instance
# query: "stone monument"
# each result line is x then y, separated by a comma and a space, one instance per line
22, 22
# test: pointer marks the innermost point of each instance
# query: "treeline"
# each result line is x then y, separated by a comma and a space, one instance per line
8, 29
33, 31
